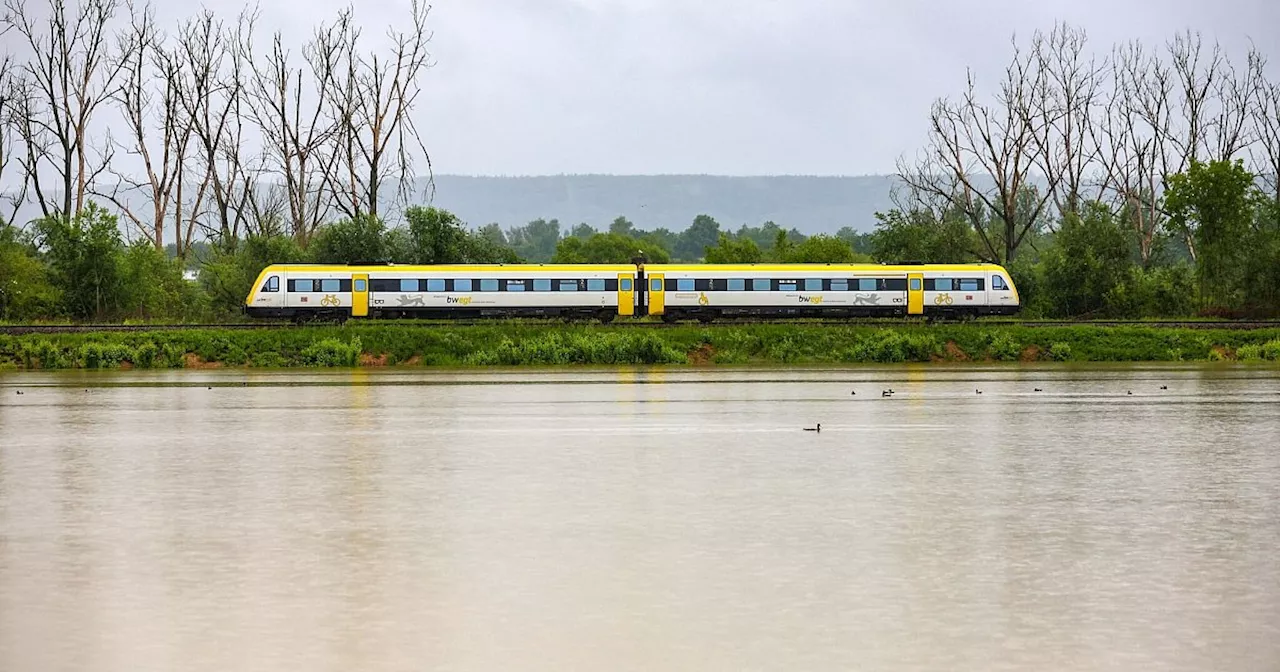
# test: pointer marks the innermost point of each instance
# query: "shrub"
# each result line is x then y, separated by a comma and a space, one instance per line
1271, 350
1060, 351
1250, 352
145, 355
1001, 346
332, 352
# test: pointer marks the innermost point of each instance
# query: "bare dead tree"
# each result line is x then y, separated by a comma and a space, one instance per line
1236, 94
288, 108
972, 144
1069, 82
1131, 148
1196, 77
11, 105
214, 72
71, 76
148, 93
372, 103
1266, 114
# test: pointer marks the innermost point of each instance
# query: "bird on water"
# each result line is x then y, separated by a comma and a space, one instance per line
19, 391
977, 391
814, 429
1164, 387
1038, 390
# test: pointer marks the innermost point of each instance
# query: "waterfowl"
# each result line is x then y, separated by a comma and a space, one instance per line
854, 393
1164, 387
886, 393
1038, 390
814, 429
978, 391
1130, 392
19, 391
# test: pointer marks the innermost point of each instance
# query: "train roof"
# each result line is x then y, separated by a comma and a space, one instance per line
854, 268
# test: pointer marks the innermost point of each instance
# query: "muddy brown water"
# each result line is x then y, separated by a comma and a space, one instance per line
642, 519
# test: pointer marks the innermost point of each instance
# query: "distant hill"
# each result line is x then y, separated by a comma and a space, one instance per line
810, 204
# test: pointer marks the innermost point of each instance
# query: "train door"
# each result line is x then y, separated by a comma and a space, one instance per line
915, 294
360, 295
657, 298
626, 294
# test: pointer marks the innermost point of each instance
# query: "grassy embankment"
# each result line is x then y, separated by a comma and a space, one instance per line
510, 344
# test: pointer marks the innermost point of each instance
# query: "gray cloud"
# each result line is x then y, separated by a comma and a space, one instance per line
724, 86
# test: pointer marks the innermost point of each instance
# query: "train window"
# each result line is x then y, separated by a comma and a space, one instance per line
839, 285
759, 284
625, 284
272, 284
515, 285
542, 285
408, 284
655, 285
786, 285
488, 284
942, 285
568, 285
915, 284
300, 285
330, 285
435, 284
813, 284
360, 285
998, 282
462, 284
866, 284
684, 285
737, 285
595, 285
894, 285
970, 284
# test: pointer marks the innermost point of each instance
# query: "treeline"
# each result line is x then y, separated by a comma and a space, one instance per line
1089, 265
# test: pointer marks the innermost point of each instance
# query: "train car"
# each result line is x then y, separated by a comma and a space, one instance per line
709, 291
335, 291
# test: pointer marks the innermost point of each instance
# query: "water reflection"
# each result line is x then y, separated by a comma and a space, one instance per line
641, 519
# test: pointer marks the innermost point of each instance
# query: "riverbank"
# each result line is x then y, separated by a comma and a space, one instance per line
514, 344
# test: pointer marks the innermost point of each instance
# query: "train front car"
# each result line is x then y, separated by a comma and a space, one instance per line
447, 291
706, 292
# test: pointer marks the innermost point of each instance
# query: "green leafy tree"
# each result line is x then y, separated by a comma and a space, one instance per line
152, 285
438, 237
26, 292
351, 240
623, 227
821, 249
583, 231
1213, 207
701, 234
1092, 255
399, 245
918, 235
860, 242
535, 241
84, 253
733, 250
234, 265
608, 248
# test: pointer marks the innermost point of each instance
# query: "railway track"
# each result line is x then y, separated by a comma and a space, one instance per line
17, 329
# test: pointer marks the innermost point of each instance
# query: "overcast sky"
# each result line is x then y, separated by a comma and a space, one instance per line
740, 87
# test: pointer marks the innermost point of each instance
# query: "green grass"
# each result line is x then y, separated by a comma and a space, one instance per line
517, 344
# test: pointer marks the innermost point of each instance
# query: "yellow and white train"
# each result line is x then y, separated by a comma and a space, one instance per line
673, 291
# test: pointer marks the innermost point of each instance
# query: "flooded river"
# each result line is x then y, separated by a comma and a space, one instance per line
655, 520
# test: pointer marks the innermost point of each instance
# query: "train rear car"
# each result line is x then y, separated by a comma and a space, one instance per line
708, 291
